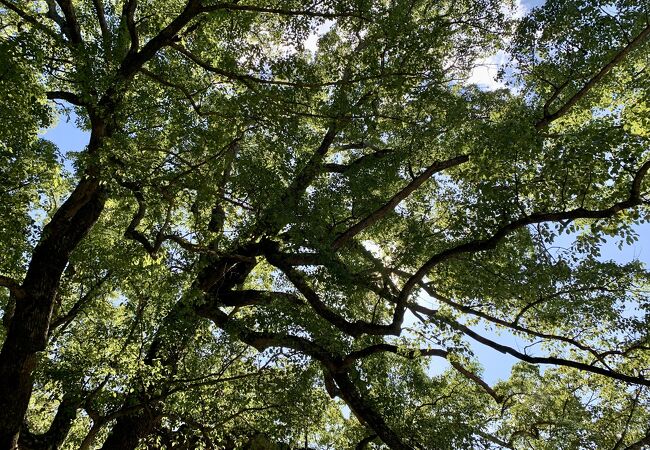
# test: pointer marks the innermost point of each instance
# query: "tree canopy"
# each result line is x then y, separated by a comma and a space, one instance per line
294, 221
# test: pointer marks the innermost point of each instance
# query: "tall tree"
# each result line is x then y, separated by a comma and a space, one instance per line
286, 207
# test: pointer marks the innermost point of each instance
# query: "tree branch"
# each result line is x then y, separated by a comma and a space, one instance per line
66, 96
618, 57
101, 19
71, 27
344, 168
376, 215
28, 18
128, 16
636, 380
14, 286
634, 199
355, 329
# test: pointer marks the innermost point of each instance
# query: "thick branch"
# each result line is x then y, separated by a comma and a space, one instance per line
365, 412
71, 28
56, 434
128, 16
376, 215
263, 340
250, 297
28, 18
344, 168
67, 96
478, 245
634, 43
14, 287
363, 443
640, 444
346, 388
101, 19
272, 220
349, 360
134, 61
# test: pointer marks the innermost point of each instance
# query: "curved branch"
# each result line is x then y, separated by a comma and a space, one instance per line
250, 297
478, 245
14, 286
67, 96
514, 325
355, 329
131, 231
636, 380
28, 18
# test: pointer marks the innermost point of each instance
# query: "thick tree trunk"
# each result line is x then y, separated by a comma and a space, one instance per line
167, 347
54, 437
360, 407
29, 326
129, 429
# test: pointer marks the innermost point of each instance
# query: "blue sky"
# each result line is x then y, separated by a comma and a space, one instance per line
66, 135
497, 365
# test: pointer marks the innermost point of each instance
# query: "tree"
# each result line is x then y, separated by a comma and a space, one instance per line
290, 210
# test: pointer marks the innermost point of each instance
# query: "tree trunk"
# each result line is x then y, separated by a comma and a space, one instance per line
360, 407
129, 429
167, 347
29, 326
54, 437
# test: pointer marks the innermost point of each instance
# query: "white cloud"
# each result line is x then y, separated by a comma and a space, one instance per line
311, 43
485, 73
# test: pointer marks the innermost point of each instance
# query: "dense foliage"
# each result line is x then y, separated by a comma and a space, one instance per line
295, 222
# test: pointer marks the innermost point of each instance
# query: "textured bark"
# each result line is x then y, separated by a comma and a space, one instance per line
29, 326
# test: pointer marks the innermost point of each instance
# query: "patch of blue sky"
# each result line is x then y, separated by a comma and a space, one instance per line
67, 136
